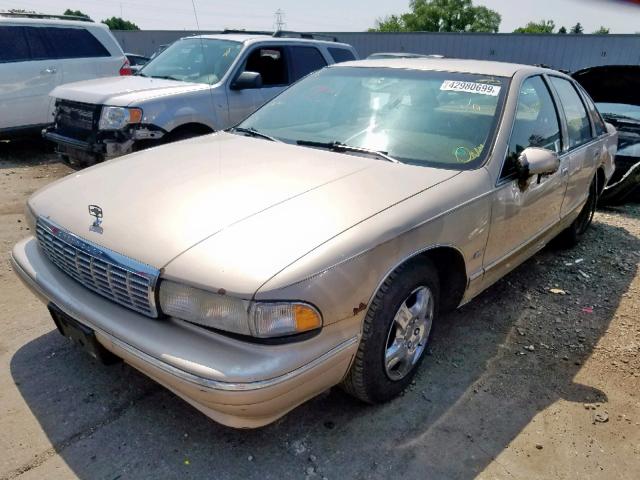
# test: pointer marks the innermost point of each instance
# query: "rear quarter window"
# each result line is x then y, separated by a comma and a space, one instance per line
341, 54
13, 44
74, 43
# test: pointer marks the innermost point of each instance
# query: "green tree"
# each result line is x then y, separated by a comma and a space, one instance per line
602, 31
117, 23
76, 13
577, 28
562, 30
543, 26
441, 16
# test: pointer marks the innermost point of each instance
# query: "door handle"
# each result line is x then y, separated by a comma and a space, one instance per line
49, 70
564, 171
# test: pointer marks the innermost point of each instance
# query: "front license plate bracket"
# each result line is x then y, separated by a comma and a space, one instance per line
82, 335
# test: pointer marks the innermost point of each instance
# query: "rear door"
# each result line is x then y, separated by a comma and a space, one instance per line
81, 54
27, 74
582, 153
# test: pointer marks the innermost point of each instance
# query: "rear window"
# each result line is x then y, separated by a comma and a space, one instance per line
306, 60
74, 43
341, 55
13, 44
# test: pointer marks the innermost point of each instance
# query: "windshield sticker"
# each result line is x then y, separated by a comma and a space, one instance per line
464, 155
470, 87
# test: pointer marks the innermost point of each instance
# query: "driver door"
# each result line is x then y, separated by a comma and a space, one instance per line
521, 214
271, 62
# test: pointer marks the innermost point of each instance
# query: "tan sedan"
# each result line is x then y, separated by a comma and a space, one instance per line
316, 243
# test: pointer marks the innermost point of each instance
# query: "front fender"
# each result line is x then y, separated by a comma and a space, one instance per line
206, 107
341, 276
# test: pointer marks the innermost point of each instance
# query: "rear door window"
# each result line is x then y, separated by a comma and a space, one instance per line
536, 123
13, 44
306, 60
38, 45
578, 125
74, 43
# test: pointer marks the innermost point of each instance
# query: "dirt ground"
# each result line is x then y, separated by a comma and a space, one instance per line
521, 383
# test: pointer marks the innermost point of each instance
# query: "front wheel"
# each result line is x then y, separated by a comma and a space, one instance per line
395, 334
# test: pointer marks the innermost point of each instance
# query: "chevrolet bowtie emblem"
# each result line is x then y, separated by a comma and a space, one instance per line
96, 212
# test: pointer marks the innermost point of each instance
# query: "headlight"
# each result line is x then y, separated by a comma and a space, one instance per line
116, 118
257, 319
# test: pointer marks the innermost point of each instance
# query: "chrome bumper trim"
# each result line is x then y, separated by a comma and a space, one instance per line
181, 374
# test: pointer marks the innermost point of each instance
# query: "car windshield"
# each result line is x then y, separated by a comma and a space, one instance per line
197, 60
439, 119
619, 110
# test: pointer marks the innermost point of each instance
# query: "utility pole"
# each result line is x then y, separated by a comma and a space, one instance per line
279, 22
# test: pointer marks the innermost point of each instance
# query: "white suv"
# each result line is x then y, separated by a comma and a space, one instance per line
38, 54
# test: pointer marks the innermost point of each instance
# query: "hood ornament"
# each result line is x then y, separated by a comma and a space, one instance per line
96, 212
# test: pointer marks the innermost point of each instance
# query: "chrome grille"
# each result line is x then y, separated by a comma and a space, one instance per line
108, 273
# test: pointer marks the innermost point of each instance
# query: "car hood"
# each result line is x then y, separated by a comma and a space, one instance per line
122, 91
611, 83
160, 203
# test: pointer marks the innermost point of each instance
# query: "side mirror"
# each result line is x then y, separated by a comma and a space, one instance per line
247, 80
537, 161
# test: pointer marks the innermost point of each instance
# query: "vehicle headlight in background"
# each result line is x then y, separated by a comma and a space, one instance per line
224, 312
117, 118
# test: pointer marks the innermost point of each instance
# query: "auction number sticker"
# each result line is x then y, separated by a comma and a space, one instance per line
470, 87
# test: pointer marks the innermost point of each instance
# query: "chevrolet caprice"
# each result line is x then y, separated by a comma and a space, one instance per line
317, 242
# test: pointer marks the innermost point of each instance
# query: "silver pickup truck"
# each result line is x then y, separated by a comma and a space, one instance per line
196, 86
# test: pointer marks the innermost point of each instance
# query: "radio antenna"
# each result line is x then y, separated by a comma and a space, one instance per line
195, 14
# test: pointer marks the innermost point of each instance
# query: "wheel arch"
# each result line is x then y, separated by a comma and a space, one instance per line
196, 127
601, 179
450, 267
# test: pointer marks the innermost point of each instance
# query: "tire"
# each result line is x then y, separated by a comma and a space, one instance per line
185, 134
574, 233
374, 377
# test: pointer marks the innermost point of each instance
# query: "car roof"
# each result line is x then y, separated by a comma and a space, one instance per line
50, 21
482, 67
253, 38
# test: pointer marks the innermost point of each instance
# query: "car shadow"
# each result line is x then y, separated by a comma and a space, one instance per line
476, 390
27, 152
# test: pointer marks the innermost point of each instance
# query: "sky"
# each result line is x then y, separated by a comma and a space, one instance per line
330, 15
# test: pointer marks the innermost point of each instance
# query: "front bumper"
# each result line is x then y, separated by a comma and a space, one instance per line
236, 383
103, 145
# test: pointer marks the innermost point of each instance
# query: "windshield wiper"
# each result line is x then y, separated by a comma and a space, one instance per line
343, 147
252, 132
166, 77
620, 118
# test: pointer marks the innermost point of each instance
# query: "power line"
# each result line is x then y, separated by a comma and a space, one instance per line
279, 23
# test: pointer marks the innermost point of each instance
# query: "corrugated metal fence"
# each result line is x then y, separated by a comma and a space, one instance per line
569, 52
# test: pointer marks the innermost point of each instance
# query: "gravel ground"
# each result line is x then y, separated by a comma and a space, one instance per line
538, 377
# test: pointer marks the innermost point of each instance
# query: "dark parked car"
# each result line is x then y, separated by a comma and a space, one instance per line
615, 90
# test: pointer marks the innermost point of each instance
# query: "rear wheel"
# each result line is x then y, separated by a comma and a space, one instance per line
574, 233
395, 334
